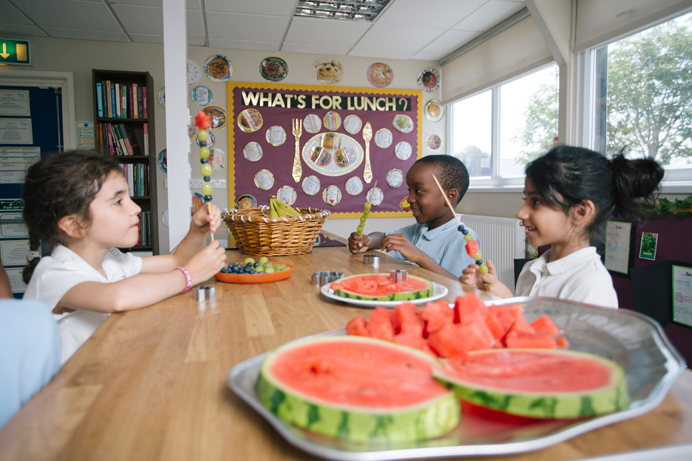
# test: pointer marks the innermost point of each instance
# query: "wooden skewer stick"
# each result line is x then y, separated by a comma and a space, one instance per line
209, 211
442, 191
373, 192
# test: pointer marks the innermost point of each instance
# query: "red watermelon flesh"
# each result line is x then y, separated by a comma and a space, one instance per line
469, 308
435, 315
534, 341
545, 325
472, 248
380, 324
360, 375
406, 319
357, 326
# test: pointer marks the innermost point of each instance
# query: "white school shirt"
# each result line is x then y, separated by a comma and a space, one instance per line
579, 276
63, 269
446, 245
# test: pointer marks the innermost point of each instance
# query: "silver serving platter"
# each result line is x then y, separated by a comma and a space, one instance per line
634, 341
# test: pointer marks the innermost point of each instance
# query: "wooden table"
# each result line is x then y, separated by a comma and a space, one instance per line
151, 384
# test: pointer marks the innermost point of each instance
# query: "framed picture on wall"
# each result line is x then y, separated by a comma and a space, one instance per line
618, 247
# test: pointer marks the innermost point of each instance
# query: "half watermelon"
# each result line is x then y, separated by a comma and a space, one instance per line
539, 383
356, 388
378, 287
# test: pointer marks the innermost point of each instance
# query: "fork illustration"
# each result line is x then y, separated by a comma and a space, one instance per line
297, 132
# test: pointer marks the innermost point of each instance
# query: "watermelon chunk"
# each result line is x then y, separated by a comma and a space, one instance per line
506, 314
406, 319
380, 324
469, 308
448, 342
356, 388
544, 324
472, 247
357, 326
543, 383
533, 341
436, 315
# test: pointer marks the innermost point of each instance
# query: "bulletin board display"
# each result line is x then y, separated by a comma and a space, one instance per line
331, 149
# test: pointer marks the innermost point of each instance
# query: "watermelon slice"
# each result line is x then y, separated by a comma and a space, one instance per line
539, 383
357, 388
378, 287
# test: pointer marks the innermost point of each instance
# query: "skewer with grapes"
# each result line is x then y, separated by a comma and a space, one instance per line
203, 122
472, 245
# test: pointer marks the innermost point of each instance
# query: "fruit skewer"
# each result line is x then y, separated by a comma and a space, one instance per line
366, 212
471, 244
203, 122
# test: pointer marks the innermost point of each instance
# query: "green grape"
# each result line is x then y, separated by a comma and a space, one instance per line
206, 188
269, 270
263, 260
468, 237
206, 169
204, 152
367, 207
483, 269
249, 260
203, 135
478, 256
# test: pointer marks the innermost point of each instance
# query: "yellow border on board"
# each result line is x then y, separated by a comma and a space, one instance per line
231, 115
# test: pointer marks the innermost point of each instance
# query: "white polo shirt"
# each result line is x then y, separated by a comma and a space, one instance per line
580, 276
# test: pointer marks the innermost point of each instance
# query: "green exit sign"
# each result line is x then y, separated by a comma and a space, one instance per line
17, 52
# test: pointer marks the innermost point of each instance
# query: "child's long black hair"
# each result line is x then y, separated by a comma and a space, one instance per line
566, 176
58, 186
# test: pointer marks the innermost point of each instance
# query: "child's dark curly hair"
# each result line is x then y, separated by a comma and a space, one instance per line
566, 175
452, 173
57, 186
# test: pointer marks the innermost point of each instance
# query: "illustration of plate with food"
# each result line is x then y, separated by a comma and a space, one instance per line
273, 69
332, 154
328, 71
246, 201
217, 116
380, 74
403, 123
250, 120
434, 110
433, 141
428, 79
218, 68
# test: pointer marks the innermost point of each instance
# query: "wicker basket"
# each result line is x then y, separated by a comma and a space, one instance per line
257, 234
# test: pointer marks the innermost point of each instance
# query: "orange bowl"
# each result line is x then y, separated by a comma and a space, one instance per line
255, 278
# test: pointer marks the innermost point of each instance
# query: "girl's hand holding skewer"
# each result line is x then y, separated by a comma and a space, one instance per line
205, 264
206, 219
472, 277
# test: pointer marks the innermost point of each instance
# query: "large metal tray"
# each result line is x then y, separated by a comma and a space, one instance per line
634, 341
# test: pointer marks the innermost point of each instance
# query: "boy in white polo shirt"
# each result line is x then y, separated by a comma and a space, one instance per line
435, 242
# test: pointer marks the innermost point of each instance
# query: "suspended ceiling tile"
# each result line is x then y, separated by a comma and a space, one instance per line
326, 32
489, 15
269, 7
69, 14
21, 29
189, 4
144, 38
98, 35
386, 37
145, 20
10, 15
438, 14
427, 56
246, 27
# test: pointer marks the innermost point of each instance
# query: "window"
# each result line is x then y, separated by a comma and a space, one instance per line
497, 132
642, 97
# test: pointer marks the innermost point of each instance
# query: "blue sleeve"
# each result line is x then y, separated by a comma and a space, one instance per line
455, 258
29, 353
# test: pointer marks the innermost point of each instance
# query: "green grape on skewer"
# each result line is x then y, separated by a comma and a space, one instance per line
364, 216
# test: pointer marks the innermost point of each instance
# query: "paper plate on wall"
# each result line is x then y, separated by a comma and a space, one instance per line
434, 110
428, 79
380, 74
273, 69
328, 71
218, 68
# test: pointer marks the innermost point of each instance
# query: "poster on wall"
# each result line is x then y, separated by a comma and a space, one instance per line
321, 142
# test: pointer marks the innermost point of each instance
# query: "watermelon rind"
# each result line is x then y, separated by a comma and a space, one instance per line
398, 296
432, 418
554, 405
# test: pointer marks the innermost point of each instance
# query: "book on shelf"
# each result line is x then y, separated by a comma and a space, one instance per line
109, 98
99, 98
139, 102
145, 112
134, 100
145, 127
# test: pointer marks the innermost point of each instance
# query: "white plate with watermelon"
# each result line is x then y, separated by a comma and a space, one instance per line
437, 291
633, 341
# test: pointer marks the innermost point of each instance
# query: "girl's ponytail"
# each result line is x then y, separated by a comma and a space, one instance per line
636, 186
35, 254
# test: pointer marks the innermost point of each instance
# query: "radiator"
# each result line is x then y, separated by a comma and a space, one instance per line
502, 240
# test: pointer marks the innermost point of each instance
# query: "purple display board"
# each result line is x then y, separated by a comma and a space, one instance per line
261, 118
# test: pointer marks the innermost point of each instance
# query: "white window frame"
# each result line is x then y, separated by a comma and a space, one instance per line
675, 181
495, 183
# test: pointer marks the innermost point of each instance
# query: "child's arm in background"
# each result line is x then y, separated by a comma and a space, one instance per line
363, 243
401, 243
471, 277
158, 279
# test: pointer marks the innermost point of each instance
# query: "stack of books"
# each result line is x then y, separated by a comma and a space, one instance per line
137, 176
121, 139
121, 100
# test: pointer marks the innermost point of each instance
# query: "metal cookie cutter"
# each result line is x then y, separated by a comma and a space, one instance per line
398, 275
371, 260
205, 293
322, 278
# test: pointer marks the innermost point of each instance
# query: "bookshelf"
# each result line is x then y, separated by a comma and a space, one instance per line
124, 114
